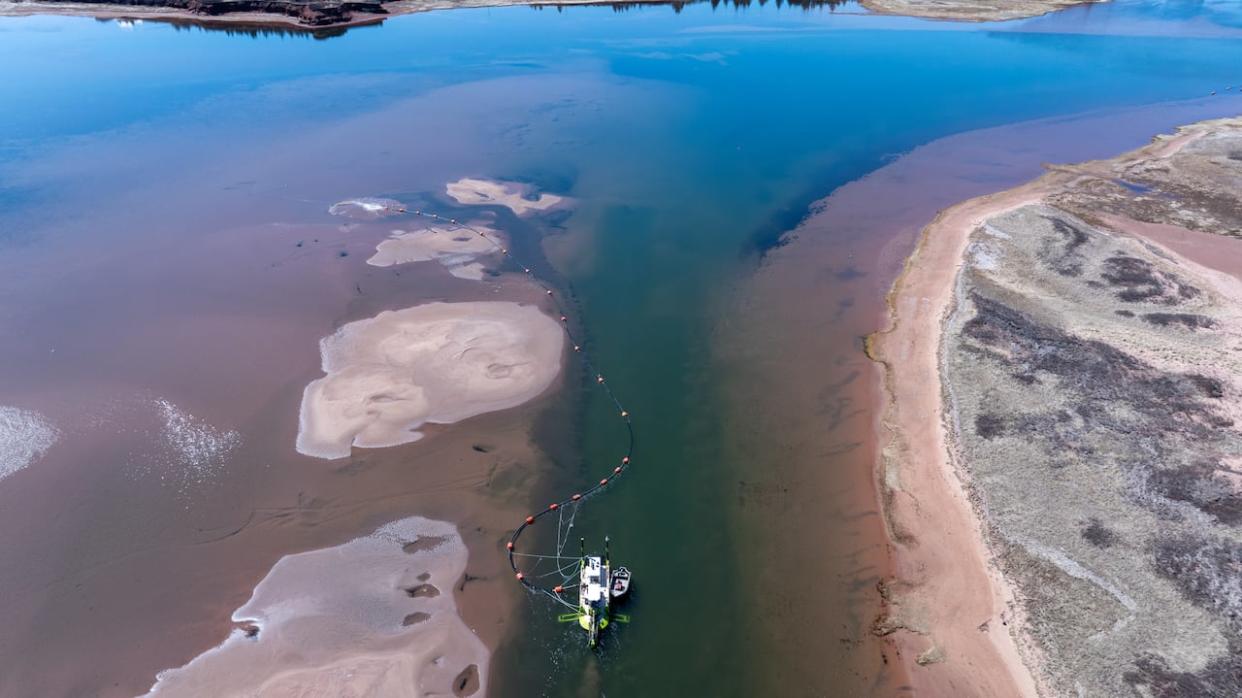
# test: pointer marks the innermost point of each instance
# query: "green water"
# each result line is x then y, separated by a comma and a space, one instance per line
688, 140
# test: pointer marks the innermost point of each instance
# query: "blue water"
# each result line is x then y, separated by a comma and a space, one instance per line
690, 140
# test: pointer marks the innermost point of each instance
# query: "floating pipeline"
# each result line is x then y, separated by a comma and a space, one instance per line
555, 591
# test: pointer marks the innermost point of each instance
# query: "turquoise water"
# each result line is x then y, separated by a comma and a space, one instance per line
689, 139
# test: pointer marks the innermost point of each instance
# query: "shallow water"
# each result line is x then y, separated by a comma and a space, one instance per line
154, 183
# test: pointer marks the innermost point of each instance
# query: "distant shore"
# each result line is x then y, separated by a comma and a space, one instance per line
1010, 477
328, 17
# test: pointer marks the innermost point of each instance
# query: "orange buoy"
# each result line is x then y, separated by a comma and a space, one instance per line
554, 507
530, 519
617, 470
558, 588
625, 460
509, 545
576, 497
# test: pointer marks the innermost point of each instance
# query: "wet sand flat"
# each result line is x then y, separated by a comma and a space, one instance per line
336, 621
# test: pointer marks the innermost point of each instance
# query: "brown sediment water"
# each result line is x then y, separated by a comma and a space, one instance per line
153, 532
791, 350
128, 547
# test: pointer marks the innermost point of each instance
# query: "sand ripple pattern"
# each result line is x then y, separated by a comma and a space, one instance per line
438, 363
372, 617
24, 436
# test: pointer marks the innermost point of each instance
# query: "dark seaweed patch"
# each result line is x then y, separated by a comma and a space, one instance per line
1099, 535
1137, 280
1124, 313
1205, 571
1220, 678
1064, 258
1210, 387
1190, 321
1200, 487
989, 426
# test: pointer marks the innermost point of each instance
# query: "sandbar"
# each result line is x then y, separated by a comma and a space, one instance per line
434, 363
457, 249
518, 198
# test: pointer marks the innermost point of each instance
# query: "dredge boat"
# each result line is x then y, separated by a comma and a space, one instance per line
598, 587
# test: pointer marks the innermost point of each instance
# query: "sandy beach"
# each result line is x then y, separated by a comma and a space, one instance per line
959, 607
962, 597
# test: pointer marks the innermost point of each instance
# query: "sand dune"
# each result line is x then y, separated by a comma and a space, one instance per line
372, 617
458, 250
366, 208
514, 196
24, 436
439, 363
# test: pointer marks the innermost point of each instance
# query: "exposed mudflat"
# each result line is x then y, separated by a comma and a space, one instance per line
971, 10
1091, 406
365, 618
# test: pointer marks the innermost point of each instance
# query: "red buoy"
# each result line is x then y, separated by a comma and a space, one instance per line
564, 319
530, 519
558, 588
624, 413
599, 379
576, 497
554, 507
520, 576
549, 292
617, 470
625, 460
509, 545
604, 481
577, 348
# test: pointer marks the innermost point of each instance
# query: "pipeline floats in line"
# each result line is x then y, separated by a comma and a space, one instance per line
598, 583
